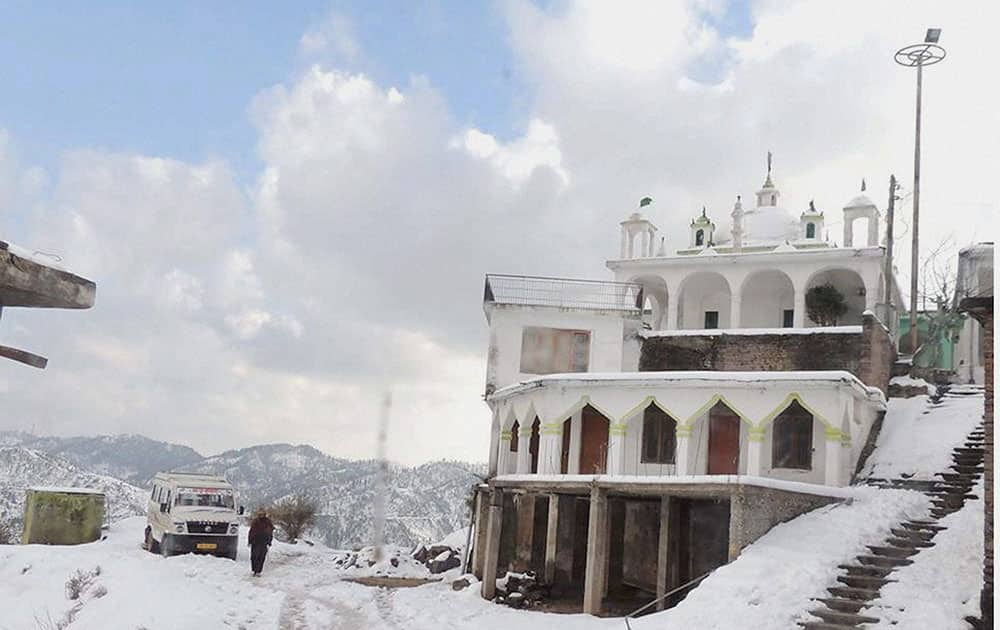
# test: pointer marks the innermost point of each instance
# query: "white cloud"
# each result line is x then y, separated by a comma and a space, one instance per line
334, 35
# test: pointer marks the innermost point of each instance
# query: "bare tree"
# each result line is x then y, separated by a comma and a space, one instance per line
294, 515
6, 533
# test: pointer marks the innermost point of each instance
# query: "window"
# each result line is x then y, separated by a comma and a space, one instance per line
659, 436
774, 199
533, 444
787, 318
554, 350
810, 230
699, 238
513, 438
711, 319
791, 446
152, 495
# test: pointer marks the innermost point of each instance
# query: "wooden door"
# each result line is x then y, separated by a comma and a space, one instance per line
723, 441
593, 442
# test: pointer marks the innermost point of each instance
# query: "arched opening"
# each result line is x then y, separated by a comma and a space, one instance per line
659, 436
723, 440
654, 290
704, 302
810, 230
792, 441
768, 300
699, 238
514, 436
533, 444
850, 285
593, 442
774, 199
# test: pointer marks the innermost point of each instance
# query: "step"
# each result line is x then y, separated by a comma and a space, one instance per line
915, 534
957, 477
892, 552
842, 604
863, 581
866, 569
967, 470
965, 450
852, 592
909, 542
883, 561
847, 619
822, 625
916, 523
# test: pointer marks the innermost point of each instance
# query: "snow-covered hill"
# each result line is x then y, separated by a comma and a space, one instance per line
21, 468
425, 502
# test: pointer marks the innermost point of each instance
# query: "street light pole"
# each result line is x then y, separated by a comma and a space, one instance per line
918, 55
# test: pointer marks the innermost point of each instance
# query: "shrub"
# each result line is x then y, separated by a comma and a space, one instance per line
80, 581
825, 304
294, 515
6, 533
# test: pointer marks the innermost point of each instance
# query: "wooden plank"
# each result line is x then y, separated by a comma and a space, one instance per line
23, 356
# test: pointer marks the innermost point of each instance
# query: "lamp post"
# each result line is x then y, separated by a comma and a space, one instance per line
917, 56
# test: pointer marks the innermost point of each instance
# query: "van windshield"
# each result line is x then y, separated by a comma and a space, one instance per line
205, 497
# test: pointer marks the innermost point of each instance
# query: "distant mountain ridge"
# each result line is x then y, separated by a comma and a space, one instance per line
425, 502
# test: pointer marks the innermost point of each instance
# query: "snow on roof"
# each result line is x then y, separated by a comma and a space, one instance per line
65, 490
846, 330
692, 377
42, 258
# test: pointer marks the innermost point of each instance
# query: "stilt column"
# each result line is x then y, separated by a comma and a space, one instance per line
661, 553
551, 535
597, 552
492, 551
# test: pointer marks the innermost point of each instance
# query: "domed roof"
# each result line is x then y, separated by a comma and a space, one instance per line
861, 201
770, 224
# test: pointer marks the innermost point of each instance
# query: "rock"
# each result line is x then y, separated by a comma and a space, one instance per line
440, 566
460, 584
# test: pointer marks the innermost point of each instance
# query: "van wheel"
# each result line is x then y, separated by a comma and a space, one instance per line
151, 545
232, 554
166, 548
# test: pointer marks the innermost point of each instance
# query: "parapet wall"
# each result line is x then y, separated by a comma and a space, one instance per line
866, 351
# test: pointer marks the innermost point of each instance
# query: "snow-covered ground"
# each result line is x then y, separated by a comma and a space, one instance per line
917, 437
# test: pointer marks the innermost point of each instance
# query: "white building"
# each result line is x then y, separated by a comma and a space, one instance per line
975, 279
691, 377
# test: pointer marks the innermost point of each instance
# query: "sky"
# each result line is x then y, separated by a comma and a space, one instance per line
290, 212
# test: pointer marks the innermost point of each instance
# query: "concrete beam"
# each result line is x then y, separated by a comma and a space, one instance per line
24, 282
597, 552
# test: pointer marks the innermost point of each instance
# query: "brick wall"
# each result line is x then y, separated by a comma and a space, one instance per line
869, 355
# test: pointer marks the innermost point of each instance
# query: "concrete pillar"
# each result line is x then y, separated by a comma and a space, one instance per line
755, 451
525, 531
735, 311
492, 550
799, 314
834, 450
551, 539
597, 558
616, 448
630, 245
673, 312
504, 465
482, 521
662, 557
524, 451
848, 232
624, 241
494, 442
550, 448
683, 455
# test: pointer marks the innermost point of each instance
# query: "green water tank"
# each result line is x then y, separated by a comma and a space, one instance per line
62, 516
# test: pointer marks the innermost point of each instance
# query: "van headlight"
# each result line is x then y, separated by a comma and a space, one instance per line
179, 528
234, 528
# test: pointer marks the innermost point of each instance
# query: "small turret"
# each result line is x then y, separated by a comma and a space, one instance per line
768, 195
861, 207
638, 225
702, 231
811, 222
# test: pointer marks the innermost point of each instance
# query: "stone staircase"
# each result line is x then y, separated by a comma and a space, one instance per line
861, 580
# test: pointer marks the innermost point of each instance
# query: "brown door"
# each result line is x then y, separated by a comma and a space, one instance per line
723, 441
593, 442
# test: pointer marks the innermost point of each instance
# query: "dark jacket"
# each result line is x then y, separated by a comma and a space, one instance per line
261, 531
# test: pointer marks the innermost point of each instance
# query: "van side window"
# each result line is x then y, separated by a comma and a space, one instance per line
152, 495
168, 501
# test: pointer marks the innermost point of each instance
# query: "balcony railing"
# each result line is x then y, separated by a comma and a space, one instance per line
563, 293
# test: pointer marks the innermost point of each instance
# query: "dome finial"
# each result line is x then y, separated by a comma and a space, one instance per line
863, 184
812, 205
767, 182
703, 211
645, 201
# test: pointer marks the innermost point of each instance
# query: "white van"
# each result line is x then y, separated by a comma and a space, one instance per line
192, 513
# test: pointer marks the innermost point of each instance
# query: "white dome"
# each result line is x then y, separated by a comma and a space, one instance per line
770, 224
861, 201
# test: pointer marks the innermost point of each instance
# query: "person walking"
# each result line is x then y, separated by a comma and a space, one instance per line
260, 537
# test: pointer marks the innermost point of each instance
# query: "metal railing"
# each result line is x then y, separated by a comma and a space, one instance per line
563, 293
680, 588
